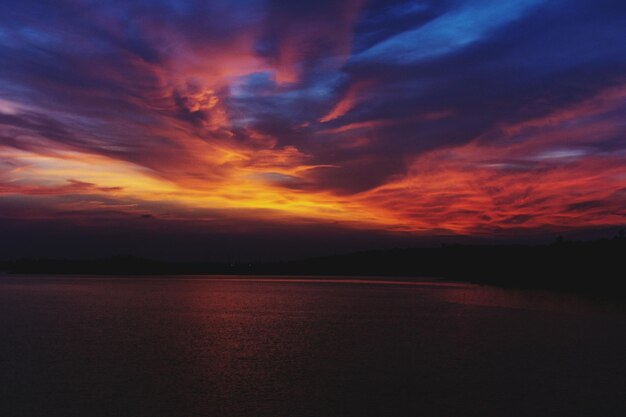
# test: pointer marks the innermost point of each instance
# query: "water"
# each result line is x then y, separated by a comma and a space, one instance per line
205, 347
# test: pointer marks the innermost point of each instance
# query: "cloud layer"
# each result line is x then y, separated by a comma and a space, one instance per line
478, 118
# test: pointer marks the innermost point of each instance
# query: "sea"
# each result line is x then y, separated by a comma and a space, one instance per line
183, 346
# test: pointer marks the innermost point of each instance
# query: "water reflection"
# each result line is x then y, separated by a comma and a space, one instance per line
537, 300
276, 347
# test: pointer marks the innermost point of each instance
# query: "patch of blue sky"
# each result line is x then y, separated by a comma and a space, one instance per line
297, 103
469, 23
405, 9
40, 37
251, 85
567, 47
236, 13
9, 40
398, 11
177, 6
319, 86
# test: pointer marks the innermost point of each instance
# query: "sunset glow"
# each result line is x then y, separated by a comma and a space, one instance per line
423, 118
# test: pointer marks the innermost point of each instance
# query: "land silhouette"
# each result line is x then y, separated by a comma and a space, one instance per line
580, 266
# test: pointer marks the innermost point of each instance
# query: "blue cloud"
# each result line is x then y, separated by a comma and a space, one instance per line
450, 32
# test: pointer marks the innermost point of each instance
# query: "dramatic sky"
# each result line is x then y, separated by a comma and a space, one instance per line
191, 126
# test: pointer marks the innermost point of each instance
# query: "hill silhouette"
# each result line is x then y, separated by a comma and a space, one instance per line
581, 266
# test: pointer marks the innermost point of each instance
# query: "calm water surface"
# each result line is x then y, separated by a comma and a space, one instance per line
209, 347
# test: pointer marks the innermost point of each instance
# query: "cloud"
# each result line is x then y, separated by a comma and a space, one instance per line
521, 175
470, 117
453, 30
297, 37
346, 102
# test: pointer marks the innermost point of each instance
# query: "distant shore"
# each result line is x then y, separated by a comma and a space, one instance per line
587, 266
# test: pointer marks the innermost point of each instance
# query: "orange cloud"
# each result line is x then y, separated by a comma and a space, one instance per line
537, 174
370, 124
184, 149
347, 102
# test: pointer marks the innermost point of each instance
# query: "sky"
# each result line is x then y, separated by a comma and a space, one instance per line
268, 128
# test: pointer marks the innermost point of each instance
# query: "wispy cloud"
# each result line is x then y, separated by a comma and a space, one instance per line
469, 117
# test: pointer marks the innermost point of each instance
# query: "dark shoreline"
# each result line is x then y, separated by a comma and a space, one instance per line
590, 267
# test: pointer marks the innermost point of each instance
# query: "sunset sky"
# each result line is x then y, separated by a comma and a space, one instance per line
252, 127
